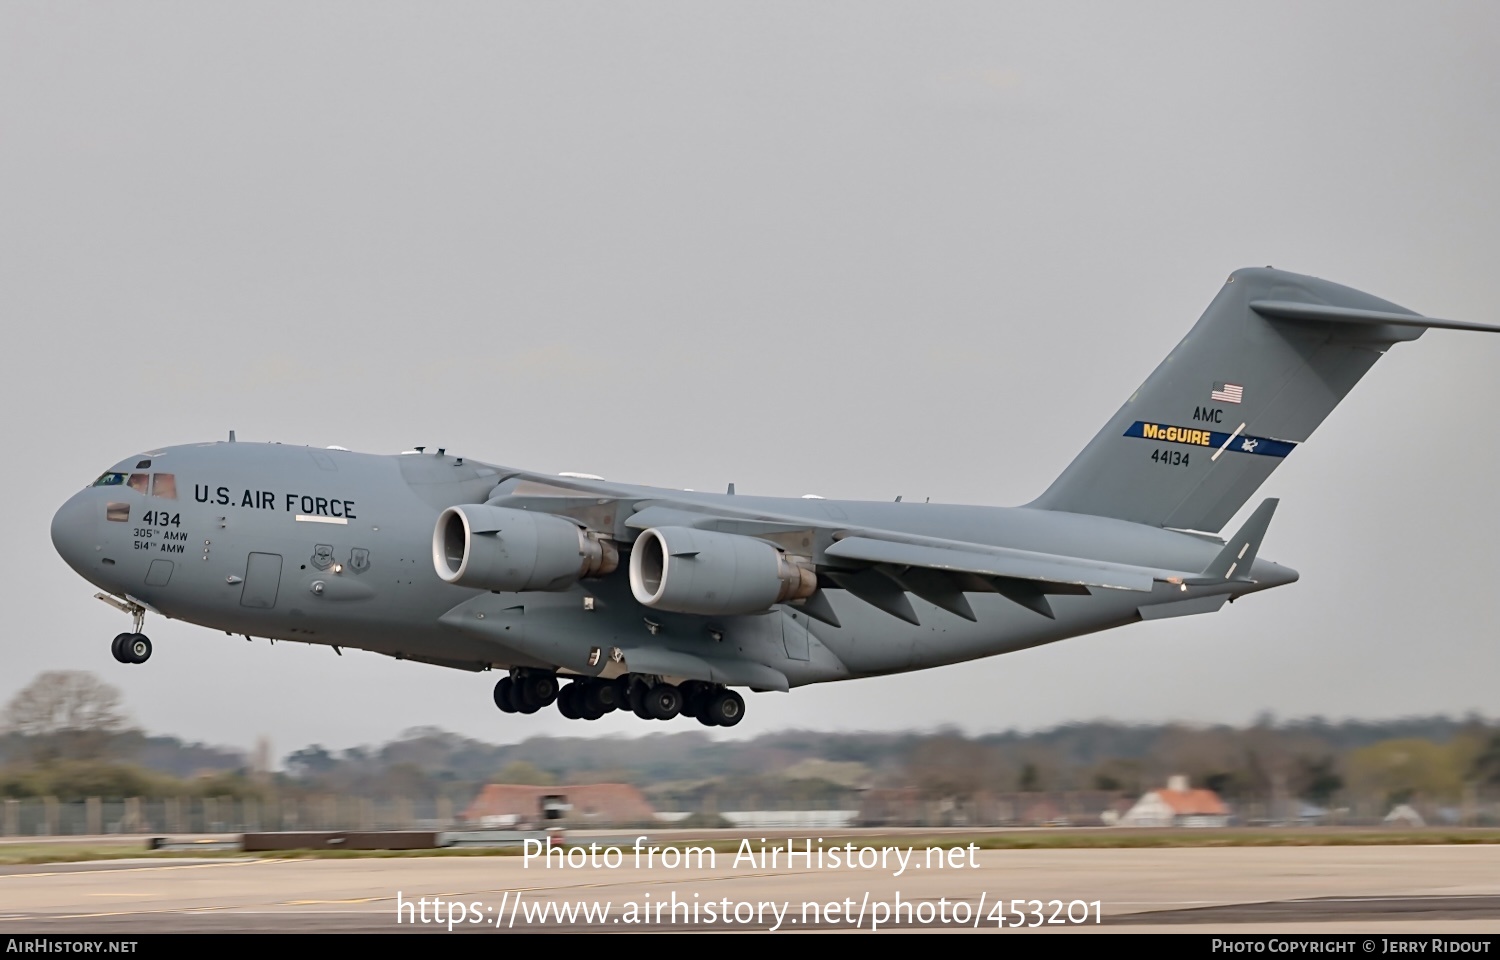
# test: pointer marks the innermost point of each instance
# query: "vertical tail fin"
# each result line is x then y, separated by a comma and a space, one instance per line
1269, 359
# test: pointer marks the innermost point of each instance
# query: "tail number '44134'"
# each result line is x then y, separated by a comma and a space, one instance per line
1171, 458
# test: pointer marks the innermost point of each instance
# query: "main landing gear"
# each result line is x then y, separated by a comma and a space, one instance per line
131, 647
647, 697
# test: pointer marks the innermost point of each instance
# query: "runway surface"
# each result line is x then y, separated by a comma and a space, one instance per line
1407, 889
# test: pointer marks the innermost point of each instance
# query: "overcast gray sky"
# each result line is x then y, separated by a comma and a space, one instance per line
853, 249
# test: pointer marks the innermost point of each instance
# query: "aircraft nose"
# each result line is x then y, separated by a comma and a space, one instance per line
73, 530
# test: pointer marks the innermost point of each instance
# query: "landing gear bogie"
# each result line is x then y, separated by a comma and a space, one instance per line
526, 692
724, 709
602, 696
648, 697
663, 701
587, 699
567, 702
695, 693
505, 694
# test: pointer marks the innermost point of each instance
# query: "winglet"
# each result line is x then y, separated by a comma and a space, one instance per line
1238, 556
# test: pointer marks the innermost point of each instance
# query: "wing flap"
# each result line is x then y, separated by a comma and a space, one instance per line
997, 562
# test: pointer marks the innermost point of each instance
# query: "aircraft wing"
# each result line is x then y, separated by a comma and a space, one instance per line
880, 567
890, 548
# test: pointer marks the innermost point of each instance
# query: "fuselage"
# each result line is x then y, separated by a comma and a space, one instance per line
336, 547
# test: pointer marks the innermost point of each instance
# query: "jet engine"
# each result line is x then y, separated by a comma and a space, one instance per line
509, 551
697, 571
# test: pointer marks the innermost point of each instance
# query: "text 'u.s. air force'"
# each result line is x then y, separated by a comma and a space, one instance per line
302, 503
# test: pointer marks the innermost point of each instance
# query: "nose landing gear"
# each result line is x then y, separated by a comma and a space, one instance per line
133, 647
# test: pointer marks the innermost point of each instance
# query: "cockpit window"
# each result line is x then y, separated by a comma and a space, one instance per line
143, 465
140, 482
110, 480
164, 485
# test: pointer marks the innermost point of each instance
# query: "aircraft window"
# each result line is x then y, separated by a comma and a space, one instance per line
118, 512
140, 482
110, 480
143, 465
164, 485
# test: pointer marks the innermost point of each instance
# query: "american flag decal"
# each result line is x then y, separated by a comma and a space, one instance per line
1228, 393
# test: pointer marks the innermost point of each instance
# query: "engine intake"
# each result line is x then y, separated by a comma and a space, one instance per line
683, 570
510, 551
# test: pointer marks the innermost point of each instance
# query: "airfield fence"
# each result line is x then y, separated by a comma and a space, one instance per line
36, 817
99, 817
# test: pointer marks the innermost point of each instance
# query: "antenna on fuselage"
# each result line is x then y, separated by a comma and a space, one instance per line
231, 436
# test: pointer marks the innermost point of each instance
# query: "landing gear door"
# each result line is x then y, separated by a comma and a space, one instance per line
262, 581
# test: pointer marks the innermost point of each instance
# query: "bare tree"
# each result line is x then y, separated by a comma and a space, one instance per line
66, 713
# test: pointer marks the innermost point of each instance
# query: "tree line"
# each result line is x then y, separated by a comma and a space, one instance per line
68, 735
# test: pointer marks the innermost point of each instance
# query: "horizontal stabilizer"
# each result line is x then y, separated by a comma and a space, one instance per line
1320, 312
1238, 556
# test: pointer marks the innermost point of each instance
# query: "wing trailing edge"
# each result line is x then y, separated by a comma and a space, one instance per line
986, 561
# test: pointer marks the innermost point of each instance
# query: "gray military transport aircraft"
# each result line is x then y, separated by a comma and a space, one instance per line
661, 601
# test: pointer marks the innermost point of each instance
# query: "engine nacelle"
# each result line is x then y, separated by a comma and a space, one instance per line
499, 548
697, 571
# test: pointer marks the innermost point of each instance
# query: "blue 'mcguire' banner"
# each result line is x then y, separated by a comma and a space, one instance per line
1194, 437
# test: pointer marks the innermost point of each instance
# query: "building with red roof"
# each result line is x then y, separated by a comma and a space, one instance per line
1177, 806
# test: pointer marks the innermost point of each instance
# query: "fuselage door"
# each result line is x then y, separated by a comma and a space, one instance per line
262, 581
